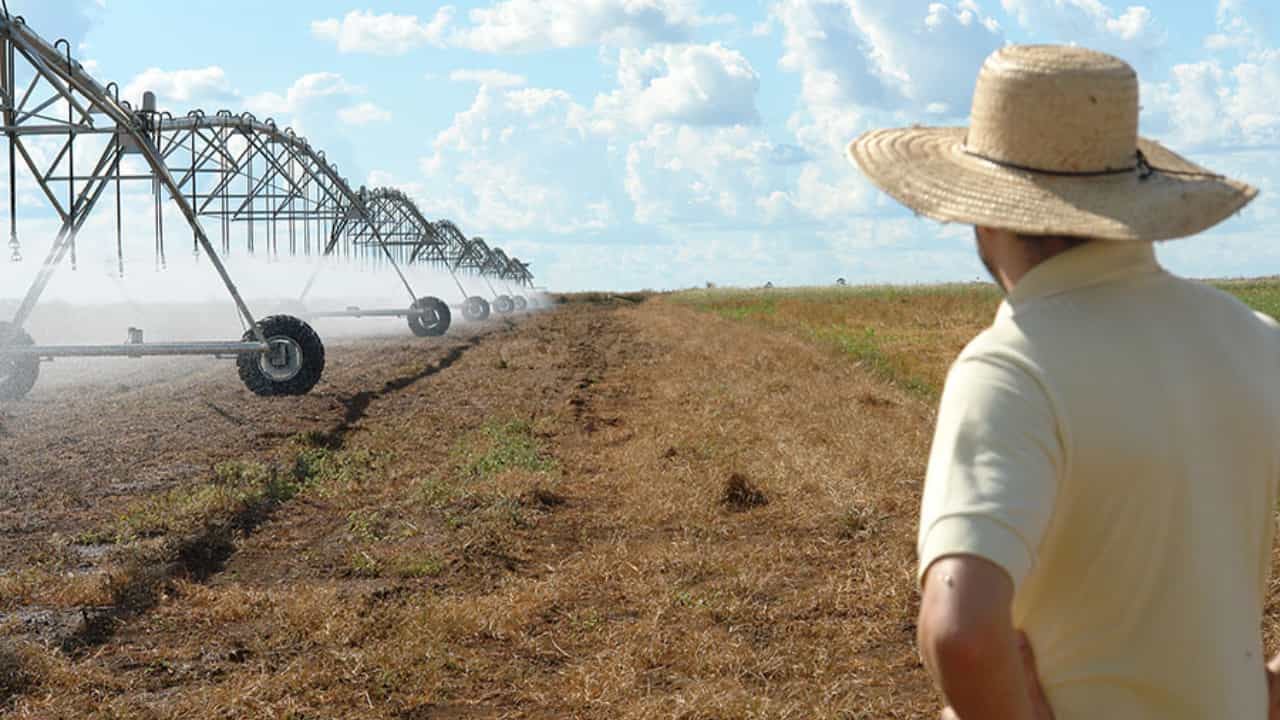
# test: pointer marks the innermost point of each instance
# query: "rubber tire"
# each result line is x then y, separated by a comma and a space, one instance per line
309, 343
475, 309
521, 303
503, 305
24, 371
443, 318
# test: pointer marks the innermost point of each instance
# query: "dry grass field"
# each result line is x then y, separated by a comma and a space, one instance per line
905, 335
690, 506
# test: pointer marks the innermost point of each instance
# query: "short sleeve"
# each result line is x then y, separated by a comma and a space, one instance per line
994, 468
1271, 323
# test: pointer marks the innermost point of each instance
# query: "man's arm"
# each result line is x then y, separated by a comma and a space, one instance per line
994, 468
969, 645
1273, 688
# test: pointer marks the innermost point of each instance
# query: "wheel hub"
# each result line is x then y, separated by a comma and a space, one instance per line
283, 361
428, 318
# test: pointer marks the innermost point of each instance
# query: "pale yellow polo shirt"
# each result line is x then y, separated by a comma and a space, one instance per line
1113, 442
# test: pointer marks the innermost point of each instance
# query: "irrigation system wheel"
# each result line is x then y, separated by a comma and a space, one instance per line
435, 318
292, 366
475, 309
17, 374
521, 303
504, 305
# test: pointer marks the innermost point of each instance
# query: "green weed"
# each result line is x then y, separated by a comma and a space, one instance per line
418, 567
367, 525
362, 564
500, 446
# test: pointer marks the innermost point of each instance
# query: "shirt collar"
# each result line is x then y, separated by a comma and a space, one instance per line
1093, 263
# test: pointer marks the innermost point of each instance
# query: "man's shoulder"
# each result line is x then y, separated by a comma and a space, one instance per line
1000, 350
1003, 337
1229, 303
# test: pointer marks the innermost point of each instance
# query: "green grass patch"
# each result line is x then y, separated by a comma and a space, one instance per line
436, 492
367, 525
235, 488
500, 446
864, 344
362, 564
746, 308
333, 471
1261, 295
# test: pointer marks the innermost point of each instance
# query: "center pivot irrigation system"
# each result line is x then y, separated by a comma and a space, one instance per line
267, 189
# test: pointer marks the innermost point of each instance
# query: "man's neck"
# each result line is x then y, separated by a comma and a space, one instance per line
1009, 257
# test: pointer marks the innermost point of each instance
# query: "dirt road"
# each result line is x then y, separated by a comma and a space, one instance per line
610, 510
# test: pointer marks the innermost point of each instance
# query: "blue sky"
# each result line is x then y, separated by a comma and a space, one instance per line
665, 143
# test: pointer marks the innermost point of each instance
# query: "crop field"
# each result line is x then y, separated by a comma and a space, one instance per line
698, 505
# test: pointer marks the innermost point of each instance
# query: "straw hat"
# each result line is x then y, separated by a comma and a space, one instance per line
1052, 149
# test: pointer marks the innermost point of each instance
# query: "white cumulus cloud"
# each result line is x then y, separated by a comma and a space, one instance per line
387, 34
305, 91
864, 64
530, 25
694, 176
1090, 22
1209, 105
523, 159
494, 78
683, 84
1237, 25
181, 90
365, 113
906, 54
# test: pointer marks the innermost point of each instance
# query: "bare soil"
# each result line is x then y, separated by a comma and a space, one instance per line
615, 509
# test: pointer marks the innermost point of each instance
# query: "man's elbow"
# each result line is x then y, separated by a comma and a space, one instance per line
964, 612
953, 636
956, 642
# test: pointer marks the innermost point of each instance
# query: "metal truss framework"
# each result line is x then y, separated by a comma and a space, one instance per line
233, 171
227, 167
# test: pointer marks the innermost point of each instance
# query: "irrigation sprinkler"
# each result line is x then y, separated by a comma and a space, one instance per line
507, 274
498, 266
277, 355
240, 170
460, 254
385, 230
476, 257
518, 272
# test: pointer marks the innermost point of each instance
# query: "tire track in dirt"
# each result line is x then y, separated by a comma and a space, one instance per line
357, 405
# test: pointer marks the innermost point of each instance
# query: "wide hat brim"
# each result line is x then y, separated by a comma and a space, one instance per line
928, 170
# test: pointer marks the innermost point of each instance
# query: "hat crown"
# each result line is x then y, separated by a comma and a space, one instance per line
1056, 109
